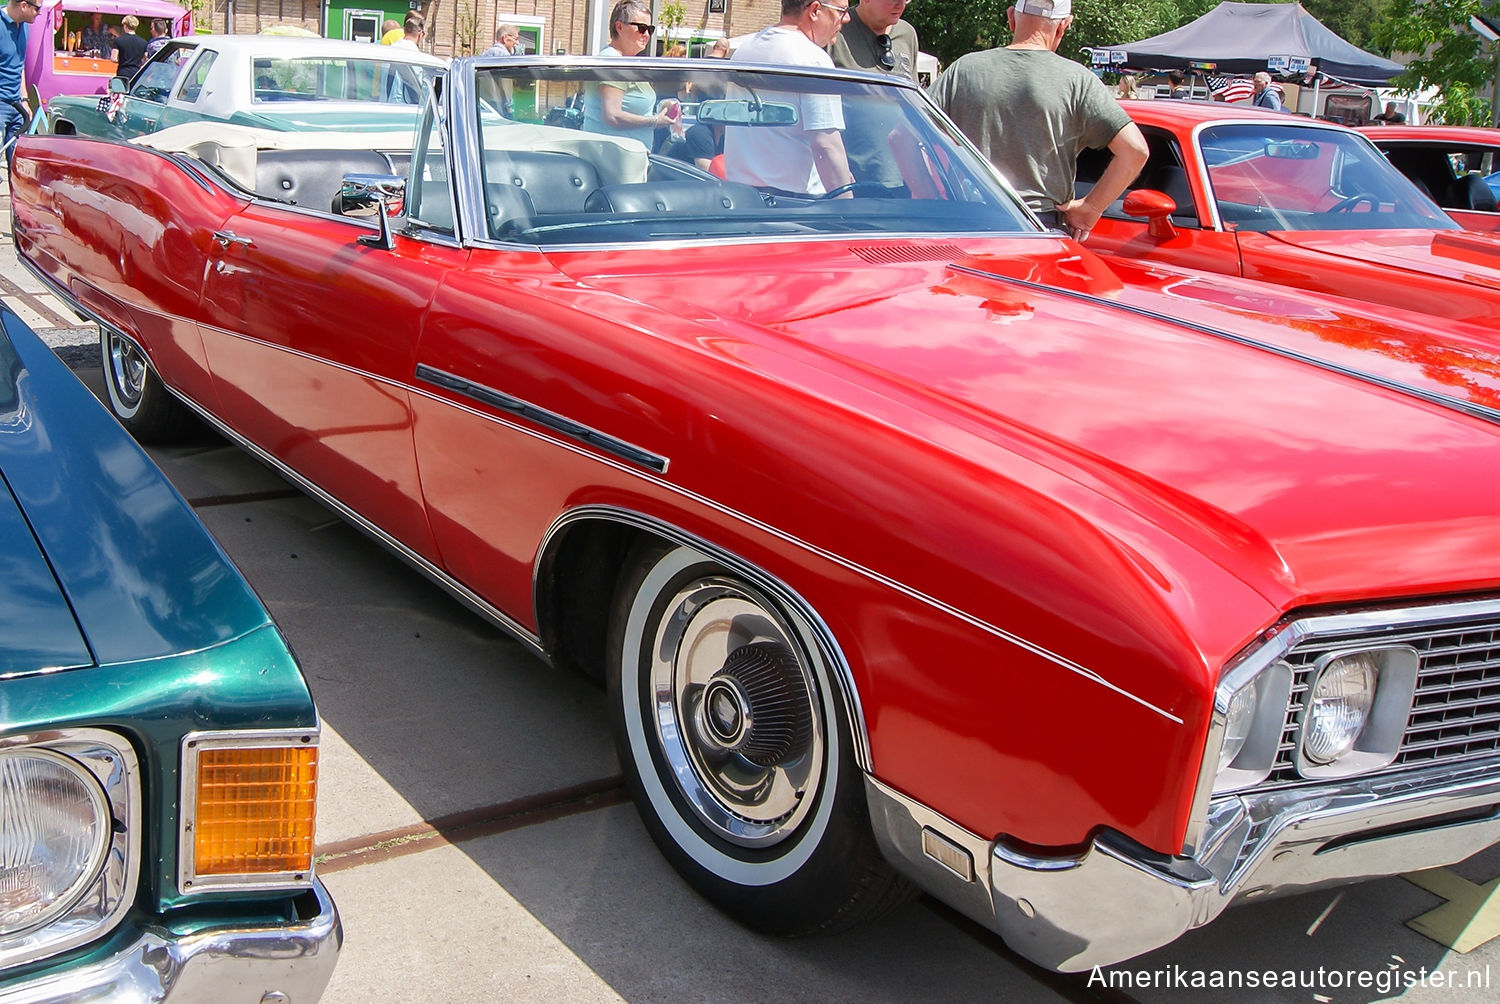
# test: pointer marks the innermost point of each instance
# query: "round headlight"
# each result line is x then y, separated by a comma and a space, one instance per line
54, 834
1237, 722
1338, 707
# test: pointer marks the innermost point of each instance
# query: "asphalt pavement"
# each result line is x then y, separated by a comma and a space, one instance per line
473, 827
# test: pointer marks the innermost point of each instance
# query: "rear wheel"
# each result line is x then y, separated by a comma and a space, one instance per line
137, 396
736, 751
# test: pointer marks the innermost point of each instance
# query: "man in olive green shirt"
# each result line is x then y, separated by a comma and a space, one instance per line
875, 39
1031, 112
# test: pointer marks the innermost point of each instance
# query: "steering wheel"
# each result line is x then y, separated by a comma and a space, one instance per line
869, 187
1347, 205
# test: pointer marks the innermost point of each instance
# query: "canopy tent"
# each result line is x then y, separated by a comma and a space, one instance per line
1243, 37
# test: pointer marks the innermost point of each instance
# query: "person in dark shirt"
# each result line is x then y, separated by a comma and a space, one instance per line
130, 48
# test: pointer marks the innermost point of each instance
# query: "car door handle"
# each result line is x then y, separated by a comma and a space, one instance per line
228, 237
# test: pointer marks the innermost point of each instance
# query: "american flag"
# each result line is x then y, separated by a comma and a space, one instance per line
1236, 88
112, 106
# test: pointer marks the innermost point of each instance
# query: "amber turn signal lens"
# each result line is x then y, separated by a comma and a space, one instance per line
255, 810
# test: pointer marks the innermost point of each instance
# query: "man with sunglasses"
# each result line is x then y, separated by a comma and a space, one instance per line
15, 20
875, 39
1031, 112
808, 158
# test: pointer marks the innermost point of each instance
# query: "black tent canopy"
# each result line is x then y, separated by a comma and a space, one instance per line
1241, 37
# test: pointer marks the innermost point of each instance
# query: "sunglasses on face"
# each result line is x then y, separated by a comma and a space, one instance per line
28, 3
644, 29
887, 58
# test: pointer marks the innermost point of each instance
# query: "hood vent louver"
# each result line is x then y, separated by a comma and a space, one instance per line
894, 254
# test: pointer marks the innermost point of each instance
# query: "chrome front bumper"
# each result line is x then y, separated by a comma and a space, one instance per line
1117, 899
290, 963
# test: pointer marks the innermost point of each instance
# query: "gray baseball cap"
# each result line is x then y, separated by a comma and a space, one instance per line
1055, 9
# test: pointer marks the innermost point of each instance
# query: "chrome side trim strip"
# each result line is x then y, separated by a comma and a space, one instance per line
848, 689
1478, 411
541, 416
472, 600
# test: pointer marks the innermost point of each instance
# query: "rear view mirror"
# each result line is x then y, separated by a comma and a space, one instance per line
747, 112
1292, 149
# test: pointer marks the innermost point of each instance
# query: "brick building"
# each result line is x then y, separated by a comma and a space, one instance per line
463, 27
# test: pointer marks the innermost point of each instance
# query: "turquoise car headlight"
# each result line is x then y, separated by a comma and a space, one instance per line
55, 831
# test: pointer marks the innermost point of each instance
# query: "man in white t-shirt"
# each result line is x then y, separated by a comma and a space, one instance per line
808, 157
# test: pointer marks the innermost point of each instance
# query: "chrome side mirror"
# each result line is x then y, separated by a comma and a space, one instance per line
362, 196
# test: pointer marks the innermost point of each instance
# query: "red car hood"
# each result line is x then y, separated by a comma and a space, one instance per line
1452, 254
1317, 453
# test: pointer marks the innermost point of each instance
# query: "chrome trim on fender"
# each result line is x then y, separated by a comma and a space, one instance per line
785, 595
111, 760
1117, 899
290, 961
541, 416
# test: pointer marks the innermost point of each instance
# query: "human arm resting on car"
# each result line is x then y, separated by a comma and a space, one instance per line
829, 158
613, 114
1129, 149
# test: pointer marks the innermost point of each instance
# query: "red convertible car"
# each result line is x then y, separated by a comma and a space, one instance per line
1452, 164
914, 544
1296, 202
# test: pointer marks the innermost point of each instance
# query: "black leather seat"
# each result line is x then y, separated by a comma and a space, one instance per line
1473, 193
673, 197
313, 177
555, 182
508, 208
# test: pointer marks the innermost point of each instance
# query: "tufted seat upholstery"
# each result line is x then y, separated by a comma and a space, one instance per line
555, 182
313, 177
673, 197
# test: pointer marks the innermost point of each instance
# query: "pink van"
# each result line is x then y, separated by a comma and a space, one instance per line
56, 60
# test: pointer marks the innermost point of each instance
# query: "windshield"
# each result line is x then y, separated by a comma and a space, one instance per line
337, 78
1272, 177
671, 149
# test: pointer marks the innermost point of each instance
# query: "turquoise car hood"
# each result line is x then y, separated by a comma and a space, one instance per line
103, 562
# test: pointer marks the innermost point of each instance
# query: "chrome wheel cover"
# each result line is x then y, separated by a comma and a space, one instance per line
127, 372
738, 715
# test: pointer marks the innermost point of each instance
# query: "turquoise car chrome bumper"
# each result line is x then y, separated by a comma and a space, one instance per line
252, 962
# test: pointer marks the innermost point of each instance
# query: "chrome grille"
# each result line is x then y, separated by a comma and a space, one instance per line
1456, 712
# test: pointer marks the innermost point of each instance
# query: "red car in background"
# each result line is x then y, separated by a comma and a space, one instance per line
1452, 164
1293, 201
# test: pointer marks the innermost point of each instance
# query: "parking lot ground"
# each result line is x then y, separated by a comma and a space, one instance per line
474, 831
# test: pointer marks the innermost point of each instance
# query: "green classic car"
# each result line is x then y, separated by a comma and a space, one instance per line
268, 82
158, 743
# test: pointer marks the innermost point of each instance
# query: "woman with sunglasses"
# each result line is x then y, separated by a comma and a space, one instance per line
626, 108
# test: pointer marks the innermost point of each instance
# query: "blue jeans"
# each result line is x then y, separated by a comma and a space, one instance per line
13, 123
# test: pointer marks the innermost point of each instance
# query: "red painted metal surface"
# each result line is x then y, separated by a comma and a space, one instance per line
1036, 512
1425, 271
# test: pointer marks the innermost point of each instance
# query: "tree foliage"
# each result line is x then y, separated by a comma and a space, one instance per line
1450, 56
